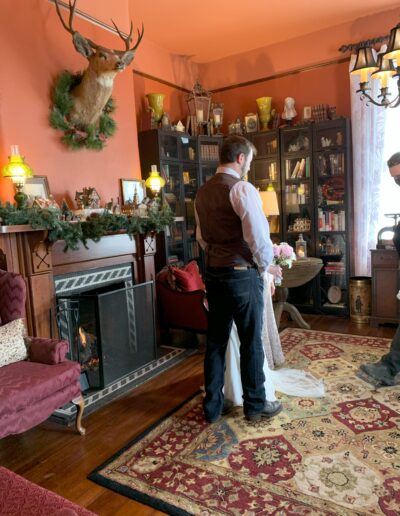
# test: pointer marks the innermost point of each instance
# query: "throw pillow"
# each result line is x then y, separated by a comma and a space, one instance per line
188, 277
12, 343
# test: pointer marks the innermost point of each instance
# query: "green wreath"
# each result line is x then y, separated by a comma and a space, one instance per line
93, 136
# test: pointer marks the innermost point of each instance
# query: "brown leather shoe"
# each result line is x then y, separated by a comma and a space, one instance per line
271, 409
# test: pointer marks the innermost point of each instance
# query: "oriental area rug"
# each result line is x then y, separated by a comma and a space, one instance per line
337, 455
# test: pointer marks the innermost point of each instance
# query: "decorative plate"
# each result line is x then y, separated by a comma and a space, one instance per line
334, 294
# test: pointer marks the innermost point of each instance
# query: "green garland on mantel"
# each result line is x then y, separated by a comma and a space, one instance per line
94, 227
92, 136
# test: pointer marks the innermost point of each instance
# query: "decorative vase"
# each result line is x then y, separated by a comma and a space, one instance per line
264, 111
156, 104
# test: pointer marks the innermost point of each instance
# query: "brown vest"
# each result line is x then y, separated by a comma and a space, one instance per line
220, 227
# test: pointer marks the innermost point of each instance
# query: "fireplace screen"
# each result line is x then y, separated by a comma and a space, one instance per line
111, 330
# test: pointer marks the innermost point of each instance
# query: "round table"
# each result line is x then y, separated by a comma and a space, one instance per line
302, 271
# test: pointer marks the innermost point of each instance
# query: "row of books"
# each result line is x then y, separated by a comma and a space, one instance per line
298, 169
334, 268
331, 220
193, 249
209, 152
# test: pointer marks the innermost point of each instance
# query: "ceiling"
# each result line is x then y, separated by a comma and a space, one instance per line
213, 29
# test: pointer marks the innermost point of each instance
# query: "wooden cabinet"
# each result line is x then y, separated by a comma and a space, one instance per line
265, 172
333, 189
385, 285
185, 162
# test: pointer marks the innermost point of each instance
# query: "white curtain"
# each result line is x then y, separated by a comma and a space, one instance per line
368, 134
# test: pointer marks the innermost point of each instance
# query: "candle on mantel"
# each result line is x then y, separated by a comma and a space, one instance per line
217, 119
199, 115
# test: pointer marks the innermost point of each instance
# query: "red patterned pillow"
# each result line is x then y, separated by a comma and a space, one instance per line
188, 277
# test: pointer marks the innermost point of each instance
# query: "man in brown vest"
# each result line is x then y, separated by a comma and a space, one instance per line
234, 233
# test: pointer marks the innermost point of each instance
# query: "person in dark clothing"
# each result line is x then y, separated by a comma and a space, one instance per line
387, 370
234, 233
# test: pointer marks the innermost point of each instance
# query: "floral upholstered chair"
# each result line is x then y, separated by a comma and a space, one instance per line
35, 376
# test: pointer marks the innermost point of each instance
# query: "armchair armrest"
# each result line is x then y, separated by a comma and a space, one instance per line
185, 310
47, 351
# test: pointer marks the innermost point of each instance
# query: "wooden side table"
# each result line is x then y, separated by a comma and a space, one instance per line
385, 266
301, 272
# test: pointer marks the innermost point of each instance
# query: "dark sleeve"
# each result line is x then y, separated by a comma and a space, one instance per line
396, 238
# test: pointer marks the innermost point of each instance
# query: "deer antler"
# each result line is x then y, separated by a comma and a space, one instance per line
128, 38
69, 27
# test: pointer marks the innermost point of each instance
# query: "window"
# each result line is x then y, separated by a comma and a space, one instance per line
389, 201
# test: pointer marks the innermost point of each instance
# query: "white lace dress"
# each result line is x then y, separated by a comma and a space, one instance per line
292, 382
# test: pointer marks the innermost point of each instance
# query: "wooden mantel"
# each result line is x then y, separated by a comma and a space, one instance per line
28, 252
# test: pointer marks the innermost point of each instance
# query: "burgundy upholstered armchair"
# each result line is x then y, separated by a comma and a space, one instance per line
31, 389
181, 310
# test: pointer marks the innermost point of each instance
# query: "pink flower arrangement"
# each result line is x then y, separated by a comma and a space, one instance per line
284, 254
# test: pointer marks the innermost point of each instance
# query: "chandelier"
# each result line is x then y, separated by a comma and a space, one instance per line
386, 67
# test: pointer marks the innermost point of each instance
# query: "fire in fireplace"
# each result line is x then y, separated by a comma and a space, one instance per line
111, 327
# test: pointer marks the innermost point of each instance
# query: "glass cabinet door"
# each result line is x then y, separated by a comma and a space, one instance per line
188, 147
172, 192
332, 214
190, 187
297, 187
175, 243
168, 145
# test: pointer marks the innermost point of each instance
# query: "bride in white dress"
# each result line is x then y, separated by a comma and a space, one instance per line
292, 382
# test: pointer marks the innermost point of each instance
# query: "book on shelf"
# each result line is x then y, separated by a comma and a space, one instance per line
295, 170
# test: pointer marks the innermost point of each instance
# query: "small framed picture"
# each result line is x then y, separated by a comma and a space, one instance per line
130, 187
37, 187
251, 123
307, 113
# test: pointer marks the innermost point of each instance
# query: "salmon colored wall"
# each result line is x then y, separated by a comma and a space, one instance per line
292, 54
35, 48
328, 85
325, 84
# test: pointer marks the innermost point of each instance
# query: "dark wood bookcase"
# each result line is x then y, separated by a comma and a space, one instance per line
185, 162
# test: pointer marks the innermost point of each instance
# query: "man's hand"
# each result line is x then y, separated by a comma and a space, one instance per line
275, 270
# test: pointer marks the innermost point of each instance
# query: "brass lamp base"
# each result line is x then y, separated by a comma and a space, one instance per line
20, 197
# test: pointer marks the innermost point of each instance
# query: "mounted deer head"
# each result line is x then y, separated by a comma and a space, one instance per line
92, 93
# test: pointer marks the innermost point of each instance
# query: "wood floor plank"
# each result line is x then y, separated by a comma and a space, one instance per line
56, 458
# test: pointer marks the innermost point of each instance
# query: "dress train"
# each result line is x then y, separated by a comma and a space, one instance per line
293, 382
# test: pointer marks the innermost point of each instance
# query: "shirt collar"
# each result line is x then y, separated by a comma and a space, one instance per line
227, 170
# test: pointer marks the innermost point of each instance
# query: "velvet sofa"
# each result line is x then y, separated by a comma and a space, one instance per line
20, 497
31, 389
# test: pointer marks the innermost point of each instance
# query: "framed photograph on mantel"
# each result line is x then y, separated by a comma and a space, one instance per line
128, 189
37, 187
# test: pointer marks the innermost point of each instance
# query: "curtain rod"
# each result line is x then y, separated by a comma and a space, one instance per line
365, 43
89, 18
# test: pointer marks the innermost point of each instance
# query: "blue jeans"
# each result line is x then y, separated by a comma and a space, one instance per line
234, 295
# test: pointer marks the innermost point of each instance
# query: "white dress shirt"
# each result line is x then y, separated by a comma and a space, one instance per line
246, 203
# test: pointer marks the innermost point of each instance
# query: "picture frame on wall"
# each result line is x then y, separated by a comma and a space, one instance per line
128, 189
37, 187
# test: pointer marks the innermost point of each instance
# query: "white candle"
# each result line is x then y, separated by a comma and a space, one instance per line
199, 115
300, 253
217, 119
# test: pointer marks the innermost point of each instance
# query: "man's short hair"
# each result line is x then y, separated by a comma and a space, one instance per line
233, 146
394, 160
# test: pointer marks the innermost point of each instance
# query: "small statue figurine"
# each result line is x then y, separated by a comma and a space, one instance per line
289, 111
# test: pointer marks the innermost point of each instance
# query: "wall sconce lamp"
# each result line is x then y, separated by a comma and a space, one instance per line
155, 182
383, 69
17, 170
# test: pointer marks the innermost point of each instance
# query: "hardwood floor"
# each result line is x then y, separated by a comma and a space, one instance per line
58, 459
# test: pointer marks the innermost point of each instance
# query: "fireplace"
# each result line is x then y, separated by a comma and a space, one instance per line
109, 322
